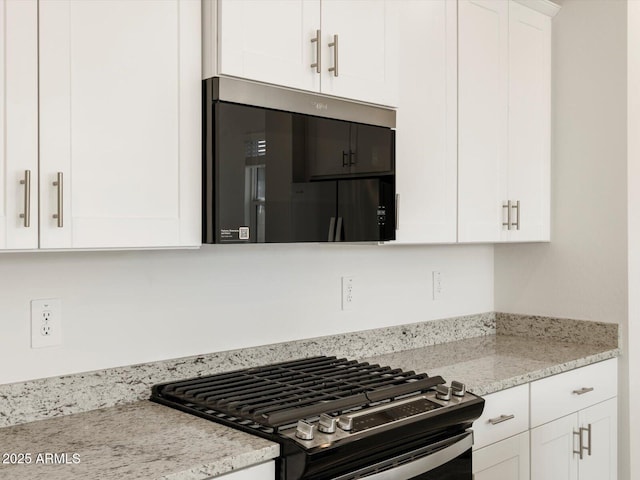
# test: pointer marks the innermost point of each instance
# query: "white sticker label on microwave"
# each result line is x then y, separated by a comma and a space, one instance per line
243, 233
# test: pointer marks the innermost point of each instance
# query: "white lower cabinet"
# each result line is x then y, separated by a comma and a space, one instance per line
574, 424
572, 418
262, 471
580, 446
504, 460
501, 436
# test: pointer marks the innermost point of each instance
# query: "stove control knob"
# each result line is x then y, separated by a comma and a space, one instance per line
458, 389
345, 423
443, 393
327, 423
305, 430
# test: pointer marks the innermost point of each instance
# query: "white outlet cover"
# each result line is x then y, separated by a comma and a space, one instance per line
347, 292
46, 323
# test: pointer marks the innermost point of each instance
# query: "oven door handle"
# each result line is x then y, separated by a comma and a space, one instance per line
425, 463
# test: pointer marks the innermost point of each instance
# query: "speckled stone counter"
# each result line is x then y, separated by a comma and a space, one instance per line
145, 441
140, 441
496, 362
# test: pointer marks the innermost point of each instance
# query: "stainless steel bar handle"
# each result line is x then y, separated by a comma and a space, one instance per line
415, 463
58, 183
583, 390
588, 430
508, 222
500, 419
334, 44
517, 207
397, 211
27, 198
316, 40
580, 446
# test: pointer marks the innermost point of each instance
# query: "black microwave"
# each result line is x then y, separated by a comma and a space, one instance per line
282, 166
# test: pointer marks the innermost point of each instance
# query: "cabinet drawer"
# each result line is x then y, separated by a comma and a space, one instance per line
568, 392
496, 423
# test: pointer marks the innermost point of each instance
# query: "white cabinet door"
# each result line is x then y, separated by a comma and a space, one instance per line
552, 447
504, 460
366, 51
602, 463
263, 471
18, 124
120, 120
270, 41
483, 27
426, 136
529, 121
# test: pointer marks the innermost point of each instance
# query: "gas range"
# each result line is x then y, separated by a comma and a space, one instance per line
338, 418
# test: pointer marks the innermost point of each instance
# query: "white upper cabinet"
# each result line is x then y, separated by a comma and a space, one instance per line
529, 122
426, 133
120, 149
482, 122
360, 44
504, 120
293, 43
19, 124
473, 131
270, 41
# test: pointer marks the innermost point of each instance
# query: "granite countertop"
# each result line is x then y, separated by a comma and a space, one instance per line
141, 441
495, 362
146, 441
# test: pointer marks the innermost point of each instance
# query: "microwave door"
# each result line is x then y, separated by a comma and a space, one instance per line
366, 210
313, 211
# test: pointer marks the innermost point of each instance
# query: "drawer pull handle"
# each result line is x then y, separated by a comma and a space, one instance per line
583, 390
500, 419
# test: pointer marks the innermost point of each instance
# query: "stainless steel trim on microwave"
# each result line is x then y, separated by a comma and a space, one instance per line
246, 92
424, 462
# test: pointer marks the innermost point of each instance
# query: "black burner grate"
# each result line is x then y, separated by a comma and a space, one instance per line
279, 394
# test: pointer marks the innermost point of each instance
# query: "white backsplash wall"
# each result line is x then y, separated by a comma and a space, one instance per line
121, 308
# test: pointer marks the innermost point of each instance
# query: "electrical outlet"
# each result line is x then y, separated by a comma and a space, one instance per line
46, 323
438, 289
347, 293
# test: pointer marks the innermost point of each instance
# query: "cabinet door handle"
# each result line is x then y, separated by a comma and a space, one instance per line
334, 44
588, 430
316, 40
517, 222
583, 390
27, 198
500, 419
58, 215
345, 159
580, 445
508, 207
397, 211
